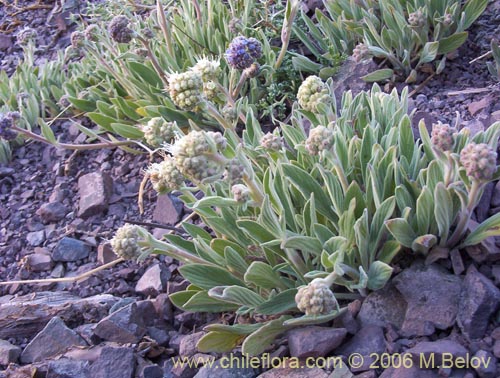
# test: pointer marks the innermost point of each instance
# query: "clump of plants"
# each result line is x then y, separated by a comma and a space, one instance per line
407, 35
311, 215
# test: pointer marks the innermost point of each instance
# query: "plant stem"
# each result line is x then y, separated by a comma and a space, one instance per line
81, 147
154, 61
255, 191
238, 88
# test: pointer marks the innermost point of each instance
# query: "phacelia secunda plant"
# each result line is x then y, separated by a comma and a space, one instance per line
125, 243
119, 29
312, 92
242, 52
7, 123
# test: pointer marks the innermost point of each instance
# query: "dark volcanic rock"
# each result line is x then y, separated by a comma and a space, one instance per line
437, 349
54, 339
8, 353
385, 306
369, 339
154, 280
433, 297
52, 212
95, 190
314, 341
125, 325
218, 370
69, 249
68, 368
114, 363
480, 300
187, 346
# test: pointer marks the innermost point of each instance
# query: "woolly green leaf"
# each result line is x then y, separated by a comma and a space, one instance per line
472, 10
219, 342
379, 75
260, 340
490, 227
206, 276
281, 302
263, 275
401, 230
378, 275
452, 42
236, 294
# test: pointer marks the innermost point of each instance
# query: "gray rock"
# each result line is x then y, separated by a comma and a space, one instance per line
114, 363
314, 341
496, 348
437, 350
35, 238
167, 209
220, 369
483, 207
433, 297
152, 371
188, 343
105, 253
385, 306
159, 335
52, 212
39, 262
487, 250
412, 372
457, 262
370, 339
487, 367
495, 197
291, 372
54, 339
8, 353
68, 368
69, 249
5, 41
125, 325
350, 76
95, 190
480, 300
154, 280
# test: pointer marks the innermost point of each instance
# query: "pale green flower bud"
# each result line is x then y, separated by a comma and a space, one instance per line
185, 90
208, 69
271, 142
312, 92
234, 171
125, 242
320, 139
210, 90
197, 157
442, 136
158, 131
315, 298
479, 160
240, 193
77, 39
447, 19
165, 176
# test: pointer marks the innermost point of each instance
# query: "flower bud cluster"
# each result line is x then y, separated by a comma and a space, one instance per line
119, 30
125, 242
77, 39
312, 92
416, 19
7, 122
443, 136
315, 298
25, 36
242, 52
158, 131
479, 160
165, 176
234, 171
197, 157
208, 69
320, 139
92, 32
360, 52
240, 193
271, 142
185, 90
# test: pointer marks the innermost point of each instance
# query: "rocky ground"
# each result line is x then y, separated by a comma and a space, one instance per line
58, 210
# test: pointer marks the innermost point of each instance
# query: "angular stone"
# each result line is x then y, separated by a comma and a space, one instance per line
293, 372
167, 211
496, 348
5, 41
54, 339
370, 339
114, 363
385, 306
432, 295
225, 371
95, 190
483, 207
8, 353
188, 343
68, 368
69, 249
436, 349
486, 250
152, 371
154, 280
35, 238
52, 212
39, 262
480, 300
125, 325
314, 341
487, 367
105, 253
495, 197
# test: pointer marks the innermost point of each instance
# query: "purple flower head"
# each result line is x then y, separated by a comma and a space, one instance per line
7, 121
242, 52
